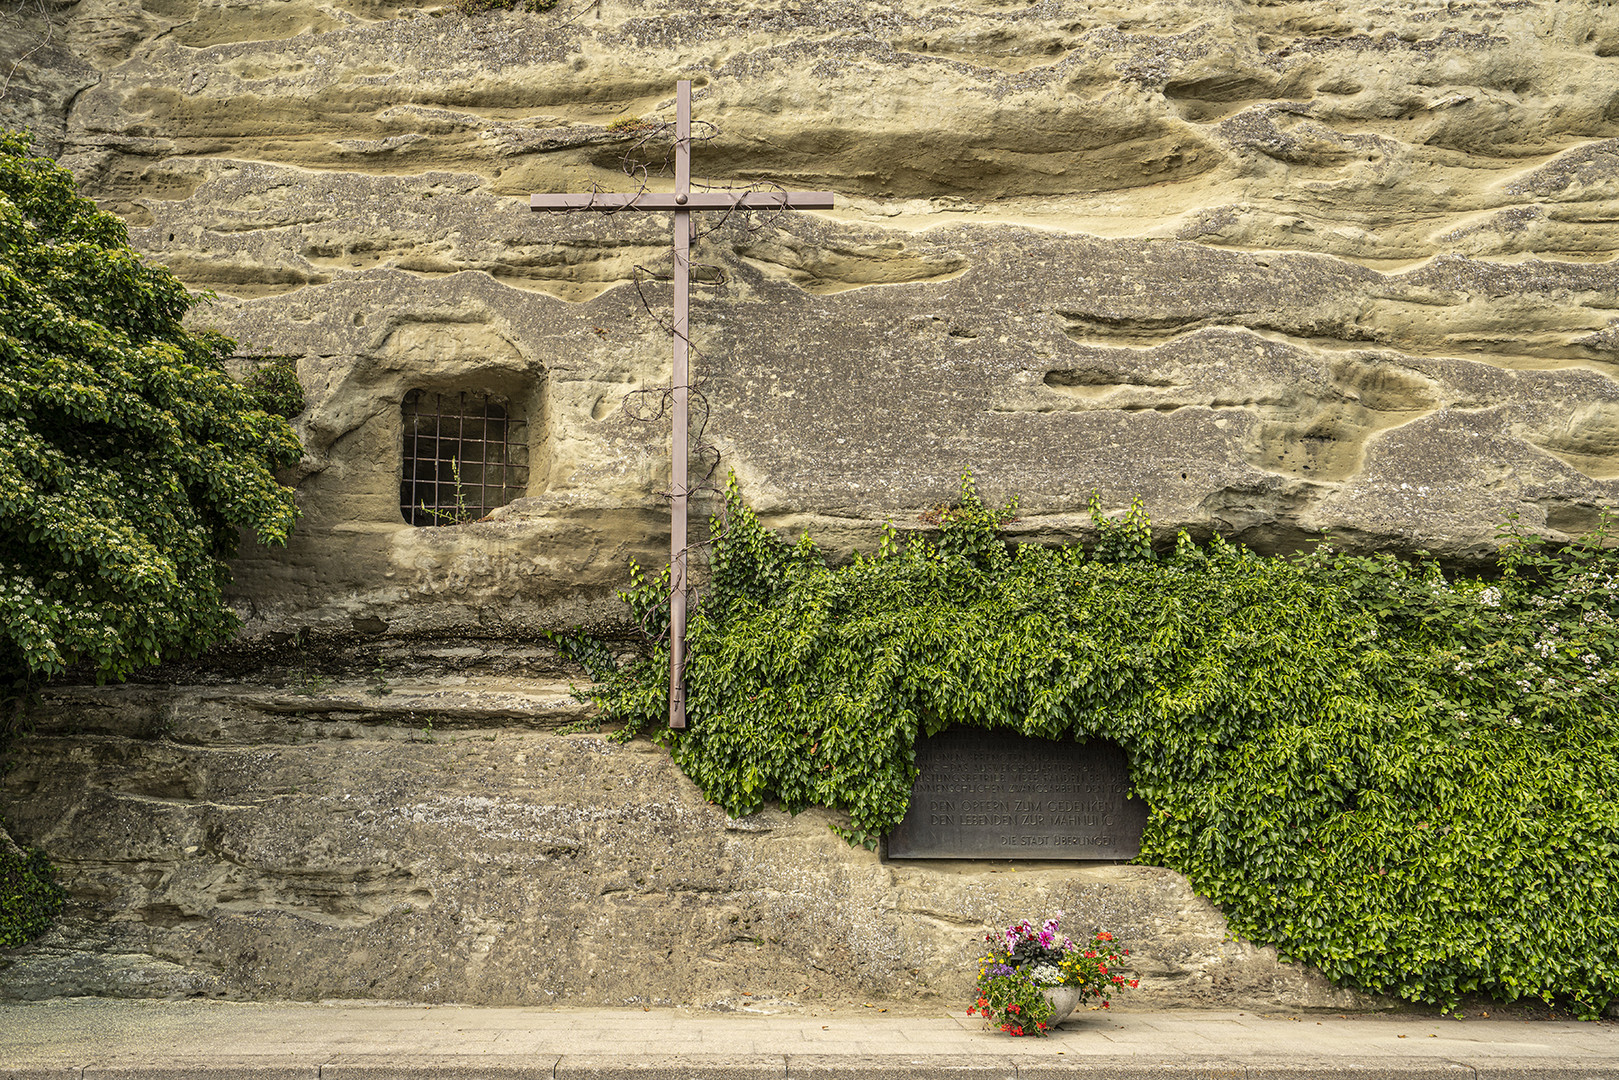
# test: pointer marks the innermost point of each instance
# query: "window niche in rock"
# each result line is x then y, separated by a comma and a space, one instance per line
463, 453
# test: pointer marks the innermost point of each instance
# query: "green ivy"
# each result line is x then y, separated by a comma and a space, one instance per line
1406, 778
589, 652
29, 896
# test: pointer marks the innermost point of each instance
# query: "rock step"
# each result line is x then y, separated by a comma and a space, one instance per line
225, 713
243, 842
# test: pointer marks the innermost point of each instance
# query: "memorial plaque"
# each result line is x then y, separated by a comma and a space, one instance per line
998, 795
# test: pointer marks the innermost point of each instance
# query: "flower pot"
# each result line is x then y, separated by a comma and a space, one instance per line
1063, 999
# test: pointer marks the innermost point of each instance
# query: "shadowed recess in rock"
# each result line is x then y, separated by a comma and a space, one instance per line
1308, 416
1586, 437
1528, 315
224, 25
819, 268
241, 278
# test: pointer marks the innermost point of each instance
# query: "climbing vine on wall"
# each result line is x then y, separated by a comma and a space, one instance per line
29, 895
1406, 778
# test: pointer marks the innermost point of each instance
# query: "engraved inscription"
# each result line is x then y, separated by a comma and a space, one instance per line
996, 795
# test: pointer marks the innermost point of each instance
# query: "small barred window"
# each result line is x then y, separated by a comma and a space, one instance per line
464, 454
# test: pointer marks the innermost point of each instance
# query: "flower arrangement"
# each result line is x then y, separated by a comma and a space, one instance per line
1025, 964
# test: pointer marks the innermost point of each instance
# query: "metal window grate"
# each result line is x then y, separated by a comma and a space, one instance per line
464, 454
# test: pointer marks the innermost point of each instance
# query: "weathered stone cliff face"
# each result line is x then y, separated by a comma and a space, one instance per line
1282, 268
439, 843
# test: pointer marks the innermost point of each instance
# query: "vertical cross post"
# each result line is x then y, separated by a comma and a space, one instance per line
679, 381
682, 201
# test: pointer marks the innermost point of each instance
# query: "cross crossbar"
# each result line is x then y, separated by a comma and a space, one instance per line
681, 202
696, 200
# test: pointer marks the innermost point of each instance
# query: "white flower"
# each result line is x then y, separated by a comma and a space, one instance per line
1045, 975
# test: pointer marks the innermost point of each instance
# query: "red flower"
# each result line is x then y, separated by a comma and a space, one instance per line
1104, 936
1102, 968
1135, 982
1105, 1004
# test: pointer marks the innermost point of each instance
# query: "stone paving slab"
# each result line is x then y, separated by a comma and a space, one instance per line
97, 1039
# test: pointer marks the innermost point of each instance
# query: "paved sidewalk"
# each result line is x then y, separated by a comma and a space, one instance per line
158, 1040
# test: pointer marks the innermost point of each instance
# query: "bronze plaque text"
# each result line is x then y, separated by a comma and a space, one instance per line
997, 795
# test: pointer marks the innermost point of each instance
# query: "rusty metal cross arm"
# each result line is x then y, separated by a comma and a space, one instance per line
696, 200
681, 202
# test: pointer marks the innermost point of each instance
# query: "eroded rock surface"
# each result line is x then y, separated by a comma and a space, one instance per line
1283, 269
326, 841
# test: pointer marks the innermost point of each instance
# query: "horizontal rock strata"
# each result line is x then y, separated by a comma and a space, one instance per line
1283, 271
217, 844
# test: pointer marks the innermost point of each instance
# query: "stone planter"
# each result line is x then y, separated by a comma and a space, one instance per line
1063, 999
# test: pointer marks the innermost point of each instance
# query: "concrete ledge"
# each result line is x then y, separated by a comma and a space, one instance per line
1562, 1069
1136, 1068
687, 1067
224, 1069
102, 1039
900, 1066
1415, 1070
851, 1067
467, 1068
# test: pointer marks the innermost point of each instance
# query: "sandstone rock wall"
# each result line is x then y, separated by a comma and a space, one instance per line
440, 843
1281, 268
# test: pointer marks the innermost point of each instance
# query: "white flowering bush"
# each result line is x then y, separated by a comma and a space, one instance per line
130, 461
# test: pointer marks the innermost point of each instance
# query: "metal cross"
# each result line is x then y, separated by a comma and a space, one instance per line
682, 202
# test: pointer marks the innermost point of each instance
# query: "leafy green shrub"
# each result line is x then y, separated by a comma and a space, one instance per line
29, 896
129, 460
275, 387
1405, 778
